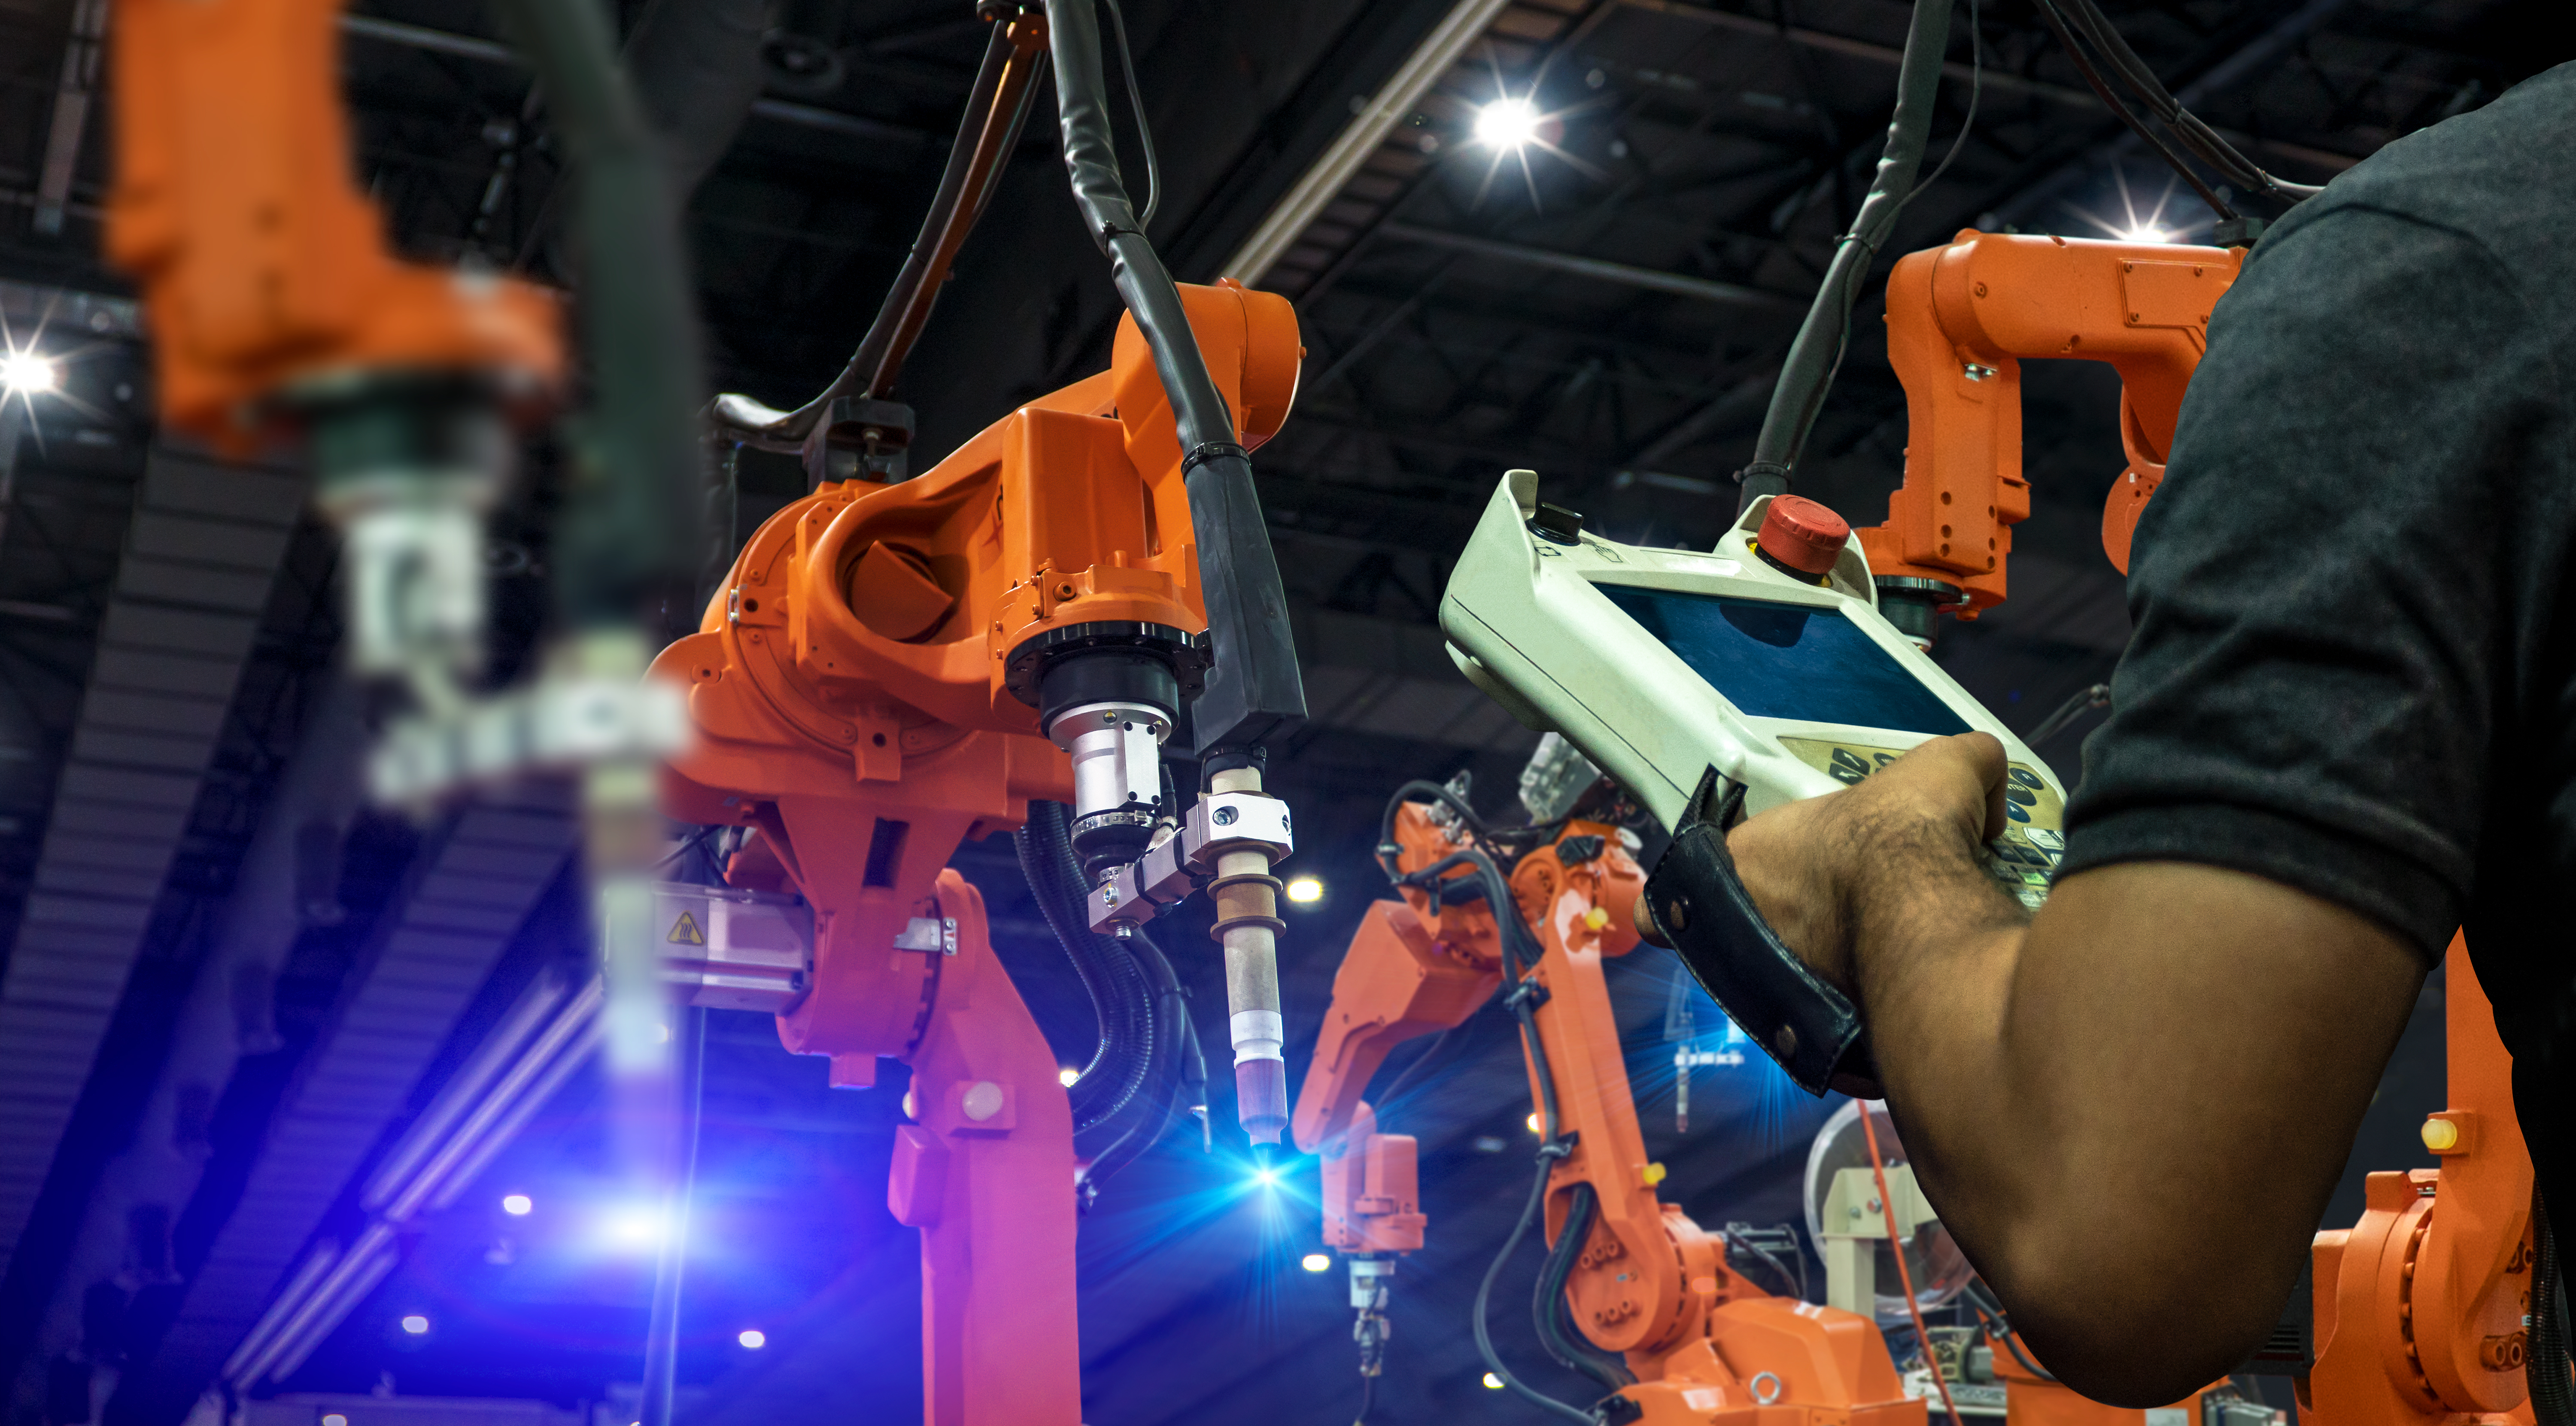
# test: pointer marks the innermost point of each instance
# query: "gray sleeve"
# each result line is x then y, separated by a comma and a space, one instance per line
2319, 589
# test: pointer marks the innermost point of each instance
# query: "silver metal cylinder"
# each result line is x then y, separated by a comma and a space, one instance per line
1117, 755
1253, 1020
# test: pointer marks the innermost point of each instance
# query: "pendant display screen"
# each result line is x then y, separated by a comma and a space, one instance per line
1798, 662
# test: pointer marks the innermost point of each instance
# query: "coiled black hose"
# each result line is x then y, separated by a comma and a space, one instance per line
1120, 993
1172, 1054
2545, 1364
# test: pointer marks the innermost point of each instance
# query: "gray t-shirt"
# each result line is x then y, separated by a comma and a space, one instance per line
2354, 666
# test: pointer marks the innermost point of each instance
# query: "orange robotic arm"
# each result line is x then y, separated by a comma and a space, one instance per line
262, 263
1643, 1280
855, 689
2419, 1308
1960, 321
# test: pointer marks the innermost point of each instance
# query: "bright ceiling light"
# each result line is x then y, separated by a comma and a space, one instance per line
1316, 1262
1507, 123
1067, 1075
416, 1325
518, 1205
1305, 891
752, 1339
25, 373
2145, 233
1493, 1382
1533, 1123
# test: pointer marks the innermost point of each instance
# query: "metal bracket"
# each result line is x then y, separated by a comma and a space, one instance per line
924, 933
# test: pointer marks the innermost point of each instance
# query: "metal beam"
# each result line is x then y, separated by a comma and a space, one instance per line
1390, 106
1727, 294
72, 96
431, 949
475, 47
205, 544
2006, 82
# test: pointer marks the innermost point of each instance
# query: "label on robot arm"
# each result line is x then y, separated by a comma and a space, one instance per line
2022, 860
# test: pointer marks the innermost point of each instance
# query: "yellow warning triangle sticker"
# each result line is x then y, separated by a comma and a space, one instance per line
685, 932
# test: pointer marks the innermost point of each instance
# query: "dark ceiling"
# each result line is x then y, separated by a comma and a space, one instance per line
1610, 313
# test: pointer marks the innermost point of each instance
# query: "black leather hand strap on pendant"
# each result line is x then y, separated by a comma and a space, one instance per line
1701, 907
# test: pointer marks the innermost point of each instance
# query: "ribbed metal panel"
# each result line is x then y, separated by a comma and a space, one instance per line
467, 896
199, 559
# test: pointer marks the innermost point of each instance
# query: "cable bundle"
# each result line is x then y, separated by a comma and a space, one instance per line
2068, 19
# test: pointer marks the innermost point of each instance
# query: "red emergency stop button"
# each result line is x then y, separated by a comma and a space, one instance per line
1803, 535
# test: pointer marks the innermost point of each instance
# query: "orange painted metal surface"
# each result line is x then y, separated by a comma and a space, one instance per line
1372, 1189
2419, 1306
1960, 321
262, 264
848, 692
1706, 1344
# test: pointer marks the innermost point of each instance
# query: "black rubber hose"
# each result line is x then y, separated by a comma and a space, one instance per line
1548, 1308
2101, 88
2545, 1361
1167, 1085
1485, 1291
1817, 350
997, 109
1254, 691
1142, 978
624, 546
1119, 995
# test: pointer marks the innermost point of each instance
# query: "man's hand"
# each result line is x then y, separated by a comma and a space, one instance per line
2128, 1110
1818, 868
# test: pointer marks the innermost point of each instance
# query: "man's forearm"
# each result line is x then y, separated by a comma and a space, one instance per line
2130, 1110
1936, 944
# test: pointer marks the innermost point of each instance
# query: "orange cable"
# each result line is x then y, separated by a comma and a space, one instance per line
1904, 1277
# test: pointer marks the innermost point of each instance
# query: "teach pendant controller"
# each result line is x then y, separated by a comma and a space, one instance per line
1713, 685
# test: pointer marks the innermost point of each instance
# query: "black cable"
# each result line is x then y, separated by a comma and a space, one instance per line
2545, 1363
1739, 1239
1119, 994
2194, 134
1548, 1308
623, 543
1816, 353
1997, 1326
1512, 842
1368, 1393
1968, 123
1548, 1154
1136, 103
1168, 1059
997, 107
2119, 110
1254, 690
